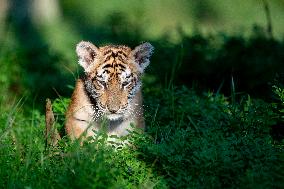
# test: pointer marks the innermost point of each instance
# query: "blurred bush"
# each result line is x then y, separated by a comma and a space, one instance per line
210, 62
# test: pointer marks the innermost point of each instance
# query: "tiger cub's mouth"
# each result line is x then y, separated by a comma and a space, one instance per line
114, 116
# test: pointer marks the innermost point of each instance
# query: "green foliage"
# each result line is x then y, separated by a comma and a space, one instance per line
191, 141
59, 108
280, 94
26, 162
207, 142
212, 61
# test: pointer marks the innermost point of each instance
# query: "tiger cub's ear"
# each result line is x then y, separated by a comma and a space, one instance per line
141, 55
87, 54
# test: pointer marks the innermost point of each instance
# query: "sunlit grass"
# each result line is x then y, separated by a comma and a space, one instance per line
190, 141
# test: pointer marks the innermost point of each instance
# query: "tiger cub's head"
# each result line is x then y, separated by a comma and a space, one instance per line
113, 75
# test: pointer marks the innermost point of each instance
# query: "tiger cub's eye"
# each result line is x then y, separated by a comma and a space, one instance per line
125, 83
101, 82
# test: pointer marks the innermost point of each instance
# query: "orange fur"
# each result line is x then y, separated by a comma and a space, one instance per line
110, 88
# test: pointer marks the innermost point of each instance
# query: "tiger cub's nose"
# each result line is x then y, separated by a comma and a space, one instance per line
113, 109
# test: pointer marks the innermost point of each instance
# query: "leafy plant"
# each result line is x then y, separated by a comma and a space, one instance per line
207, 142
280, 94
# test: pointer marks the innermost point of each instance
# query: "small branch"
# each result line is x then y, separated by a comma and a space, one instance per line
51, 134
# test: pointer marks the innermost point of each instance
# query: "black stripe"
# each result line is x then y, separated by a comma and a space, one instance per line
122, 53
120, 58
107, 71
122, 66
107, 66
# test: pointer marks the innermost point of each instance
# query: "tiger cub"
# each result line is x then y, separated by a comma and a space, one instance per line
110, 89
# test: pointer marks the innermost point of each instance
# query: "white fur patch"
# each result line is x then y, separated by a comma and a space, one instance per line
125, 74
114, 117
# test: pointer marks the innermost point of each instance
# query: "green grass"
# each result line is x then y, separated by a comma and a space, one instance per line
194, 141
25, 162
